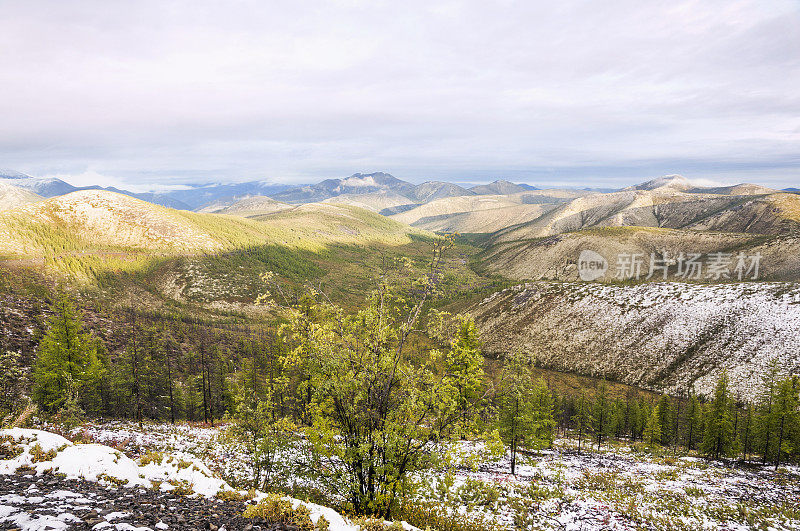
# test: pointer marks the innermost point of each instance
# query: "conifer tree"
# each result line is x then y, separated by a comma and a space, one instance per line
786, 416
692, 425
652, 432
602, 414
582, 418
665, 412
68, 359
766, 419
542, 421
634, 418
515, 414
747, 431
719, 437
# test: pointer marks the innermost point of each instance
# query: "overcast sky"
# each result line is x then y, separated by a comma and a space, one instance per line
585, 93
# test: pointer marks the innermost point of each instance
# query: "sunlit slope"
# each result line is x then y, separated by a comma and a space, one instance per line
757, 214
771, 214
554, 257
375, 201
484, 213
246, 206
13, 196
87, 224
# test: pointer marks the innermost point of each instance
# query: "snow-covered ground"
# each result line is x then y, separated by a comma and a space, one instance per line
615, 488
45, 453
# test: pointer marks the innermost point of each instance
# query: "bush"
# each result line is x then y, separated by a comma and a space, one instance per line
151, 457
277, 509
442, 518
235, 495
376, 524
38, 455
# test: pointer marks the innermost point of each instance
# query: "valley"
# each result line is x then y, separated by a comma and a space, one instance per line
252, 314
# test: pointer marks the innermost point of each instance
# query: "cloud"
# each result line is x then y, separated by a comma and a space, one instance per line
163, 92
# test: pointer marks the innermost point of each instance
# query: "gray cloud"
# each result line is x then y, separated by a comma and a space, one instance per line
597, 94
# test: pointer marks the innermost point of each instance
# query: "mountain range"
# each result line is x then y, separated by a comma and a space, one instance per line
215, 255
199, 196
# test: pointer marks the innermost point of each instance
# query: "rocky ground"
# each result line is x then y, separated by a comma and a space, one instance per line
53, 502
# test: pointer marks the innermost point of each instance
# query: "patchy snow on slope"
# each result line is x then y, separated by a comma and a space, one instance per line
669, 336
45, 452
619, 487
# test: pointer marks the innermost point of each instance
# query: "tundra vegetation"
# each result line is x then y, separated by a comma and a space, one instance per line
363, 402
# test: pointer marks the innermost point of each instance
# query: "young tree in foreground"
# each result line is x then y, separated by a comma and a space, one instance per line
718, 439
67, 361
786, 416
652, 432
380, 408
515, 415
263, 436
582, 418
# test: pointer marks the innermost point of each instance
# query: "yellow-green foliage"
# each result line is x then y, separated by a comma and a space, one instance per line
151, 457
277, 509
436, 516
235, 495
376, 524
9, 449
105, 478
72, 247
182, 487
38, 455
600, 480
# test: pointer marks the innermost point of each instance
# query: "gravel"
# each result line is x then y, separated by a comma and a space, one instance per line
37, 502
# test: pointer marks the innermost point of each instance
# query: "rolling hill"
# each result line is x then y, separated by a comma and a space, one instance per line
13, 196
500, 187
482, 213
54, 187
375, 201
244, 206
666, 208
90, 231
555, 257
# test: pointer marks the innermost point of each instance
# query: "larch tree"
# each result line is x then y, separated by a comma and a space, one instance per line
67, 363
719, 435
786, 416
652, 431
515, 404
582, 419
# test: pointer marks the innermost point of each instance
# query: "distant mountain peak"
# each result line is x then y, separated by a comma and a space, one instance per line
674, 181
501, 187
13, 174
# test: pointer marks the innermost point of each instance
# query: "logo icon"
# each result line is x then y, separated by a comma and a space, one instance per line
591, 265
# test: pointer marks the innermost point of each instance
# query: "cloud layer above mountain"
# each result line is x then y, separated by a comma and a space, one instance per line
573, 91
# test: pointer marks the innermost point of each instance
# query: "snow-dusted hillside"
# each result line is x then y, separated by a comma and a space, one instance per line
44, 453
13, 196
667, 336
617, 487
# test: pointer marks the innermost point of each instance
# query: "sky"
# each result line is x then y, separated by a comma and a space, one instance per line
158, 94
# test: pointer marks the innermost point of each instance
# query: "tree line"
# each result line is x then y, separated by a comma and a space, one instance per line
719, 426
378, 393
